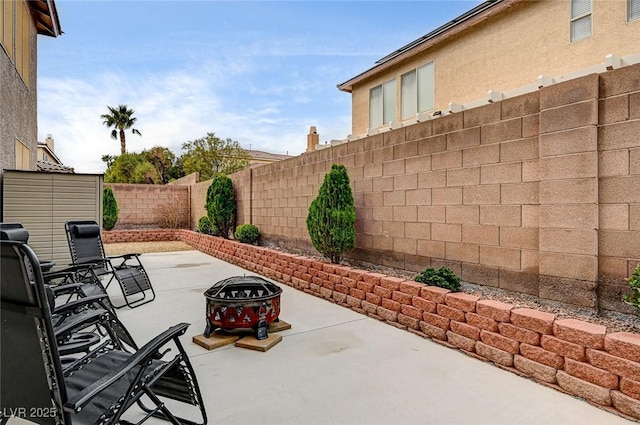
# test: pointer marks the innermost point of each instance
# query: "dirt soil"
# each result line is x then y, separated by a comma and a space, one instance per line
145, 247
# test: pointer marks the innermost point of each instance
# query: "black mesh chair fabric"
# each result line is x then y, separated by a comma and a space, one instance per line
98, 388
86, 247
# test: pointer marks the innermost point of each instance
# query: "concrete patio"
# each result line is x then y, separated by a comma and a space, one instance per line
335, 366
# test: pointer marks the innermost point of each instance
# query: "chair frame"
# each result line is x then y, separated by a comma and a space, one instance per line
115, 266
42, 392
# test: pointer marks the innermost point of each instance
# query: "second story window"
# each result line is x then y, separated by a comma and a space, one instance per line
633, 10
580, 19
382, 104
417, 91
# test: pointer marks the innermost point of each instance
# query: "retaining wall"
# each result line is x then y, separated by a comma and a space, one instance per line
574, 356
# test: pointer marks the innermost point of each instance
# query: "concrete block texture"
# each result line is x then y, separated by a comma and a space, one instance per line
539, 193
568, 92
569, 116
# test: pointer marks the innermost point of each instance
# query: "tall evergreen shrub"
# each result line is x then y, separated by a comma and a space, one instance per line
221, 205
332, 216
109, 209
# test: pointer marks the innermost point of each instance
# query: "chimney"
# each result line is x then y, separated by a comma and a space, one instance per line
49, 142
312, 139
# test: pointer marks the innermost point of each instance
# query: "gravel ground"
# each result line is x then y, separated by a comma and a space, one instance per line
614, 321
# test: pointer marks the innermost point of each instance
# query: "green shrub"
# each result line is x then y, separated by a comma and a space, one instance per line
206, 227
247, 233
221, 205
109, 209
634, 283
332, 216
443, 278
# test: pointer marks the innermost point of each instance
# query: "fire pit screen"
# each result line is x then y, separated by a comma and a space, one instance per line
242, 302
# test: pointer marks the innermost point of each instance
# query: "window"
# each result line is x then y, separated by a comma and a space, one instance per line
580, 19
417, 91
23, 156
6, 26
15, 27
382, 104
633, 10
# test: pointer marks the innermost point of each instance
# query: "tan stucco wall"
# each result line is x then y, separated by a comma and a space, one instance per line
510, 50
18, 107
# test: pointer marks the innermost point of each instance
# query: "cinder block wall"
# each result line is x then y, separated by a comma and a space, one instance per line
145, 205
535, 194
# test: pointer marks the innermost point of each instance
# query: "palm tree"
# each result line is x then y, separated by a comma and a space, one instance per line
121, 119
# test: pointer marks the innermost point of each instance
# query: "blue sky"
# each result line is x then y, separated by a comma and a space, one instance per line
260, 73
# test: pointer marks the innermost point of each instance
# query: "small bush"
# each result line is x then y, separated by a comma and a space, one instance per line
634, 283
206, 227
443, 278
221, 205
247, 233
173, 214
332, 216
109, 209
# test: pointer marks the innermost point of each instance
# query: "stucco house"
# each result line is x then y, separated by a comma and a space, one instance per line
47, 158
20, 23
498, 47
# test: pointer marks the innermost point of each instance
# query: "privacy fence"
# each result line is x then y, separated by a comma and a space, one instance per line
538, 193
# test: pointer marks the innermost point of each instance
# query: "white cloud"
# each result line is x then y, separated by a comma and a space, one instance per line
171, 108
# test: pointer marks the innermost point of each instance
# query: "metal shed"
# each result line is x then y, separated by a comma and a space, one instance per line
42, 202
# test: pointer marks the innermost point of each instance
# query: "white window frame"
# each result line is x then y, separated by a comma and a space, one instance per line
633, 10
383, 110
414, 99
578, 17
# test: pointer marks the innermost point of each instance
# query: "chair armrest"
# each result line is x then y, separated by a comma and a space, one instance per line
80, 302
125, 256
76, 323
65, 288
142, 356
69, 271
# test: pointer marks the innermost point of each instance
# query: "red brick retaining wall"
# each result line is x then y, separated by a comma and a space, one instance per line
154, 235
573, 356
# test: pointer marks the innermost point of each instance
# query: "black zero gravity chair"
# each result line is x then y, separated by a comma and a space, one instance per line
66, 282
96, 389
85, 245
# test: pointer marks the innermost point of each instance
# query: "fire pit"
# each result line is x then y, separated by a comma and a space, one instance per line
242, 302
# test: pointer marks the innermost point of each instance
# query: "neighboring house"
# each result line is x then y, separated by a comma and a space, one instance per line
48, 160
20, 23
498, 46
261, 157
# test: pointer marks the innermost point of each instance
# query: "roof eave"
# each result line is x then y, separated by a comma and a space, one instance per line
46, 17
455, 26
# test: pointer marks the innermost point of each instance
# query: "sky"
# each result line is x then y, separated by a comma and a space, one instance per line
258, 72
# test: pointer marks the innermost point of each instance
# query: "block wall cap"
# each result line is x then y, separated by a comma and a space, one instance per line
580, 332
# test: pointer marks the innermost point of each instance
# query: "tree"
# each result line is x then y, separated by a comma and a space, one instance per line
211, 155
162, 159
108, 159
221, 205
109, 209
121, 119
131, 168
332, 216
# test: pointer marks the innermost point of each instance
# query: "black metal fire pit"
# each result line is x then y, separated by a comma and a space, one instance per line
242, 302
